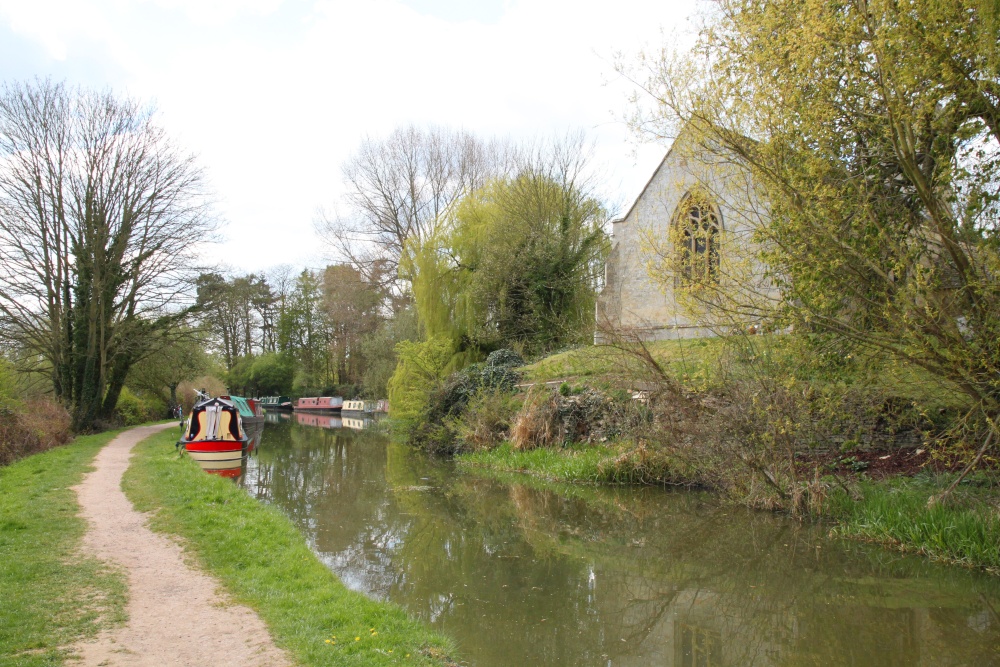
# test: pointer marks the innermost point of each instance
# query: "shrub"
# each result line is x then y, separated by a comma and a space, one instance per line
130, 408
437, 429
499, 372
40, 425
486, 420
538, 423
557, 417
434, 438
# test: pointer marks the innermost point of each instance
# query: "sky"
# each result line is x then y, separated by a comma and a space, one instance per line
273, 96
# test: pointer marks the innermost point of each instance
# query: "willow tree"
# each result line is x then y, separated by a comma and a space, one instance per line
515, 263
397, 187
98, 214
541, 246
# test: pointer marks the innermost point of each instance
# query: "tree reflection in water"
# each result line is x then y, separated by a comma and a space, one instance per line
522, 573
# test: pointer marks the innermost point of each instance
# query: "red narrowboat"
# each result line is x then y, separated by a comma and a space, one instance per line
215, 434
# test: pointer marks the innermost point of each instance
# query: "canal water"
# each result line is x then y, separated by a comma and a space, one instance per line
520, 573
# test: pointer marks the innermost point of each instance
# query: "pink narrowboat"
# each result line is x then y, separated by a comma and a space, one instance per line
321, 404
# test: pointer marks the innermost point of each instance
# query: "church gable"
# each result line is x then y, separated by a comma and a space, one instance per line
688, 226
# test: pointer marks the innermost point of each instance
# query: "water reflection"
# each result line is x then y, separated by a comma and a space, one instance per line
520, 575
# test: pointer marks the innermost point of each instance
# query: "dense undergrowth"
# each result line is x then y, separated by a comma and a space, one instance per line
784, 423
31, 427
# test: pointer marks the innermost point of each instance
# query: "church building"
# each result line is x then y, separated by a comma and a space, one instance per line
684, 245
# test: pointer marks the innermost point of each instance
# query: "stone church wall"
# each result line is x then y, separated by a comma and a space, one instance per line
638, 296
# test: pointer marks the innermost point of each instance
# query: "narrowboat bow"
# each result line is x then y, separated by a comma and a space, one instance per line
215, 433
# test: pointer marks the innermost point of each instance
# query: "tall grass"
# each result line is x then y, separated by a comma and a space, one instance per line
965, 531
575, 464
264, 562
50, 594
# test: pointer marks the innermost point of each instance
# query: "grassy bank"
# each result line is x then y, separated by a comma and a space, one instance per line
694, 359
51, 595
264, 562
894, 512
712, 364
572, 464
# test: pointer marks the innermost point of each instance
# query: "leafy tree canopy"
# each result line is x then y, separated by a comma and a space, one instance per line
872, 128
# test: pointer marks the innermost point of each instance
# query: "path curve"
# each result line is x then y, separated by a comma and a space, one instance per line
176, 615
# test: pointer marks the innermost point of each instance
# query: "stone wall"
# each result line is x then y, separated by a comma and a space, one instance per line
639, 288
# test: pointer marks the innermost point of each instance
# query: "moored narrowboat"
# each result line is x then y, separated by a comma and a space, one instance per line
276, 403
215, 433
251, 410
320, 404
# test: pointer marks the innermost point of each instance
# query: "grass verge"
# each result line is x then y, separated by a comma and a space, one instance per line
964, 531
50, 595
573, 464
687, 358
264, 562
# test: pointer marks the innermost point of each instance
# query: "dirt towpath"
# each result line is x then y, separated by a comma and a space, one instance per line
177, 615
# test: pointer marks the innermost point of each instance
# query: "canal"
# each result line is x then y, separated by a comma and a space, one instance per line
520, 573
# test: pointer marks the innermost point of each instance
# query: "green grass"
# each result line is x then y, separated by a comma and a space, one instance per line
964, 531
574, 464
693, 358
50, 595
264, 562
711, 363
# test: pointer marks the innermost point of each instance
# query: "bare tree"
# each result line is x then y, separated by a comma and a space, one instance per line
98, 211
398, 187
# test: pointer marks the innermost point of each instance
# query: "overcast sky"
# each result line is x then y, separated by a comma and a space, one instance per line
274, 95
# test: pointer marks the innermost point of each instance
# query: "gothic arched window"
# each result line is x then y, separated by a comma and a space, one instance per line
697, 241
